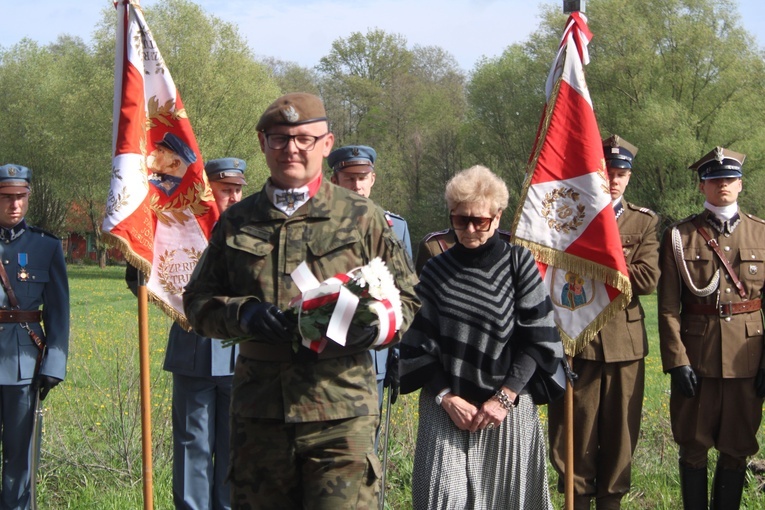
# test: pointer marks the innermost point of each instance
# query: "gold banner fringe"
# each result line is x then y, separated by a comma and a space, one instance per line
573, 346
583, 267
144, 266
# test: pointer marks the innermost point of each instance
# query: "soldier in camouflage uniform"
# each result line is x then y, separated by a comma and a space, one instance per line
302, 424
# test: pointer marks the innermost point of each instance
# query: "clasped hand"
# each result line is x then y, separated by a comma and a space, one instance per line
467, 416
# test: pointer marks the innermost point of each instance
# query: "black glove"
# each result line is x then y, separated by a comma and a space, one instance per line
265, 320
759, 383
684, 378
43, 384
360, 335
391, 374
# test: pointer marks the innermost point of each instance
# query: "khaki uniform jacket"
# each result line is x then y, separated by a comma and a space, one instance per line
624, 338
713, 346
252, 251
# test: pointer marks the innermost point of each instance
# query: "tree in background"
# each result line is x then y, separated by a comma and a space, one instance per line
677, 78
51, 121
407, 103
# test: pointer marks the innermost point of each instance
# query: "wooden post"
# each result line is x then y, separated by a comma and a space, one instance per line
143, 347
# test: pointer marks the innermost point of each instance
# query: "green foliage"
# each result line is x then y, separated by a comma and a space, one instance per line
409, 104
92, 449
677, 79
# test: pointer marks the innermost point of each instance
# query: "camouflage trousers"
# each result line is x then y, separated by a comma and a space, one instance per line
317, 465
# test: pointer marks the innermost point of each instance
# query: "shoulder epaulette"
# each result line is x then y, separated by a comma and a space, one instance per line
643, 210
44, 232
430, 236
754, 218
684, 220
394, 215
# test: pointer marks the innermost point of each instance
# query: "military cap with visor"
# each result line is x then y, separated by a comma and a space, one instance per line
178, 146
292, 109
719, 163
618, 152
226, 170
355, 158
14, 178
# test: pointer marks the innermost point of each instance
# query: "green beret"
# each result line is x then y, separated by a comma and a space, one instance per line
292, 110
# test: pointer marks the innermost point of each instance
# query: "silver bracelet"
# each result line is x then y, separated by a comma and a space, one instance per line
504, 400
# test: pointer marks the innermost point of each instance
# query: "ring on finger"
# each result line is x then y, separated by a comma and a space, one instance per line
490, 426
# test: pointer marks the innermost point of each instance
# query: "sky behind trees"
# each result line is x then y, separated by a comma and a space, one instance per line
302, 31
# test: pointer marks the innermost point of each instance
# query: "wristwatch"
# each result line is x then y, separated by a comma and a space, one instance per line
440, 396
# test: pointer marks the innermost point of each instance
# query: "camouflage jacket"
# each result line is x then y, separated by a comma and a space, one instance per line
253, 249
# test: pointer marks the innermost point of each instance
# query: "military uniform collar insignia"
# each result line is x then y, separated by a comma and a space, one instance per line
725, 227
619, 209
8, 235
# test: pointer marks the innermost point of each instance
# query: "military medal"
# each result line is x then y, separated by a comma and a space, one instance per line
23, 274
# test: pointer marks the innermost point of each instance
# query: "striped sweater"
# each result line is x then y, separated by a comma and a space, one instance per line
485, 318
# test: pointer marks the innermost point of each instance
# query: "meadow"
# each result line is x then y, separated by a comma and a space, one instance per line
91, 457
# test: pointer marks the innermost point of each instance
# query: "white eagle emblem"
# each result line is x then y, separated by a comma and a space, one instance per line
290, 114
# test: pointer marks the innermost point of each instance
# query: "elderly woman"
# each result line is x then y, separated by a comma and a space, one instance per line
485, 319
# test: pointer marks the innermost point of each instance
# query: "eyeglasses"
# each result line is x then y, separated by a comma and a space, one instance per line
302, 142
460, 222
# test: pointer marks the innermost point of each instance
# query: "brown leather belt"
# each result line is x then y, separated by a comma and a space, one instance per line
20, 316
723, 309
283, 353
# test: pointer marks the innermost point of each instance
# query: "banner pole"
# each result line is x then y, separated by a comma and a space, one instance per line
143, 341
568, 419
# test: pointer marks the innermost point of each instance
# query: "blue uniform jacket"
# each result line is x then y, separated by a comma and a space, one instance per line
193, 355
43, 284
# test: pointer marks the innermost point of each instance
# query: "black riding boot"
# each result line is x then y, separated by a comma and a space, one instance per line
693, 483
727, 488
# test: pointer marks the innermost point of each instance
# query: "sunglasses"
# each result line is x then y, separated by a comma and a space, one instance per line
460, 222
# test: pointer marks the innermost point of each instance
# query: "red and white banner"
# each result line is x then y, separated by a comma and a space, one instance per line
565, 215
160, 210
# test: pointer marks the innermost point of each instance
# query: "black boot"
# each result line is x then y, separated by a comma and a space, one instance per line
727, 488
693, 484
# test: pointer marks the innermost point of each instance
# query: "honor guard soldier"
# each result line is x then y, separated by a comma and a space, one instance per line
353, 168
710, 328
302, 423
608, 395
35, 289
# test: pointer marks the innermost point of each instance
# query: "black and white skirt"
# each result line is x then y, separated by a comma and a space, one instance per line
502, 468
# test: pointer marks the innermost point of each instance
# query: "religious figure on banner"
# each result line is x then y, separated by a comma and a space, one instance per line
573, 294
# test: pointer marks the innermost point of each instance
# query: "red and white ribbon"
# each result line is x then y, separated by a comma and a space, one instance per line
315, 294
388, 321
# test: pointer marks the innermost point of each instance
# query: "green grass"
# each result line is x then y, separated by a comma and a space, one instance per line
91, 455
